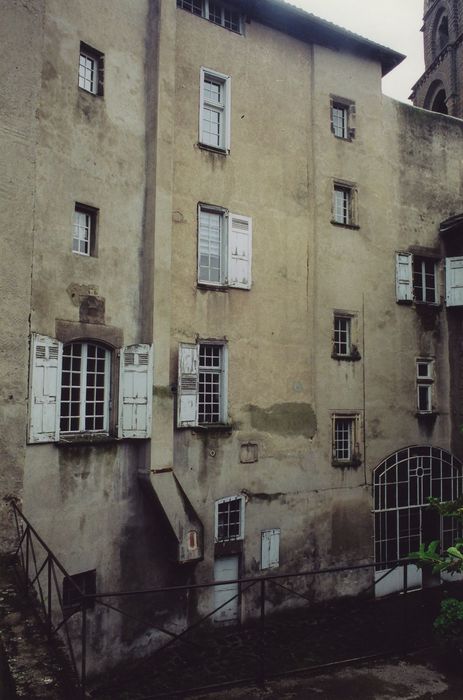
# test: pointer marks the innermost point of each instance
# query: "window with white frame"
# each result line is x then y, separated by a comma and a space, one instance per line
229, 519
70, 390
342, 345
214, 110
342, 118
346, 438
91, 66
202, 384
424, 384
224, 248
344, 205
424, 280
85, 388
215, 11
84, 230
416, 279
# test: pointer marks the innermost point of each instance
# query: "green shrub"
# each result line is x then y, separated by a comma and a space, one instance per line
448, 625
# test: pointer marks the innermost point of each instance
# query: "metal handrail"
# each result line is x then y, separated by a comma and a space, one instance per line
52, 563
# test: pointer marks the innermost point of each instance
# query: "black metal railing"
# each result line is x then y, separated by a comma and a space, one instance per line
270, 644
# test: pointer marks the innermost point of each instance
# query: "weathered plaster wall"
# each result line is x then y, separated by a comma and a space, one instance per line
22, 37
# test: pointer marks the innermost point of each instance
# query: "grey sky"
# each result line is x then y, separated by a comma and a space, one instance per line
393, 23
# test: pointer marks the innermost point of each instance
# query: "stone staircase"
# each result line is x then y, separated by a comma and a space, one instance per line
31, 666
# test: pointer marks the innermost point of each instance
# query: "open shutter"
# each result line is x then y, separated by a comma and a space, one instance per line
454, 281
187, 388
239, 251
404, 277
135, 391
270, 553
45, 383
351, 121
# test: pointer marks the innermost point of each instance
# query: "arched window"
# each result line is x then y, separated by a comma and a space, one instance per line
403, 517
436, 98
442, 33
85, 388
439, 103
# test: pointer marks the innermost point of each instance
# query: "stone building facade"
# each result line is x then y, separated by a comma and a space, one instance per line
440, 87
231, 307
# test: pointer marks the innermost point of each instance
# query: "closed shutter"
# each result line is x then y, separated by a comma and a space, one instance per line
135, 391
454, 281
45, 383
239, 251
404, 277
270, 554
187, 388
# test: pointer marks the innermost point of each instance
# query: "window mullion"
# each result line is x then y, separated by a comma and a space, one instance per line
83, 387
107, 389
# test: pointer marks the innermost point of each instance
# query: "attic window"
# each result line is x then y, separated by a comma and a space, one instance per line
214, 11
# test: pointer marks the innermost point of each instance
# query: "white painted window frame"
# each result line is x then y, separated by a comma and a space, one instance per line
223, 384
223, 109
418, 269
83, 374
240, 536
344, 204
230, 255
425, 382
347, 318
223, 6
188, 393
354, 436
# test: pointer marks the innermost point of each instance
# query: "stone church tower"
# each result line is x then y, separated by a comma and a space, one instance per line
440, 87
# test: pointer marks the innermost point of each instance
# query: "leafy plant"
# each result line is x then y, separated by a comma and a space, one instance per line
448, 625
450, 561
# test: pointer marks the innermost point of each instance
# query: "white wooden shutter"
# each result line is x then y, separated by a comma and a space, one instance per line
239, 251
404, 277
454, 281
270, 551
187, 386
45, 386
135, 391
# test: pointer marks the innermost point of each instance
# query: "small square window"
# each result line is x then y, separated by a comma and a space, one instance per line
84, 230
229, 519
91, 69
344, 205
86, 582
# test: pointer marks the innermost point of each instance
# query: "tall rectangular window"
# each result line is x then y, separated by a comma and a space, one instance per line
343, 439
346, 439
84, 232
211, 229
224, 248
424, 280
343, 209
339, 115
91, 66
210, 399
342, 335
229, 519
85, 382
214, 117
424, 384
